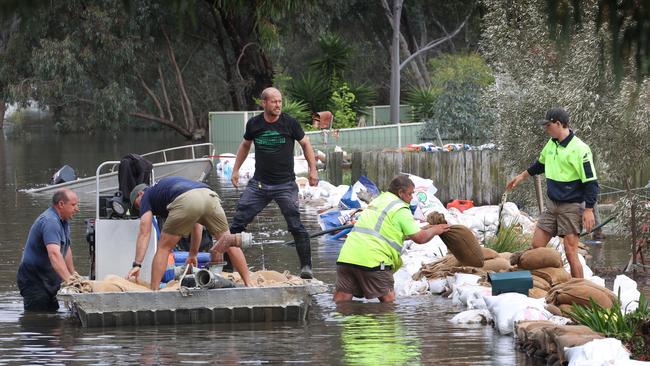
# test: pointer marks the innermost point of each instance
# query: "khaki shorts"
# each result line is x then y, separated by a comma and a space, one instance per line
200, 205
562, 218
362, 283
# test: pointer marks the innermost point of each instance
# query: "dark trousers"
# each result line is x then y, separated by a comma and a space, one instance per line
38, 287
258, 195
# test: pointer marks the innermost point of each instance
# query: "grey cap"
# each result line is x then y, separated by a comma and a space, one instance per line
555, 115
134, 193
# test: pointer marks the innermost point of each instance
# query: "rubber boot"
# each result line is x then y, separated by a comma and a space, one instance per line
303, 247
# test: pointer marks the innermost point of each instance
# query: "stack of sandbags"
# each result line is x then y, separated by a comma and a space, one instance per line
544, 339
546, 267
460, 241
493, 262
578, 291
437, 269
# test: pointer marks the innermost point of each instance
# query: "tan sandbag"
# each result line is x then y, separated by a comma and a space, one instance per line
561, 330
439, 268
460, 241
103, 286
540, 258
541, 283
506, 255
580, 295
489, 253
553, 276
523, 327
566, 309
537, 293
579, 291
268, 278
497, 264
126, 285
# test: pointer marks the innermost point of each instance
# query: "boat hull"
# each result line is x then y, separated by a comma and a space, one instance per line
194, 169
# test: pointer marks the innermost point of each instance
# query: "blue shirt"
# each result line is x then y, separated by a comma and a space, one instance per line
48, 228
157, 197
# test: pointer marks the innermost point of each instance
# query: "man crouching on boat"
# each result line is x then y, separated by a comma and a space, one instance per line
185, 205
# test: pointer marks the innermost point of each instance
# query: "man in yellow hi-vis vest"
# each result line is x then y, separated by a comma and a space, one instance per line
572, 187
372, 250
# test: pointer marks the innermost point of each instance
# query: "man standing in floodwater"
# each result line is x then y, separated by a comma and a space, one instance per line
47, 257
274, 134
372, 250
572, 187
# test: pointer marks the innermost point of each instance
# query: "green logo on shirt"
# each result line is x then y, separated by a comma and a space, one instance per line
269, 141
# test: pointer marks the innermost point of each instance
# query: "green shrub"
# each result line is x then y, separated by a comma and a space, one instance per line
312, 89
342, 99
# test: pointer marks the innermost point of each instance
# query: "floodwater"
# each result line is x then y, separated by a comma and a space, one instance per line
413, 331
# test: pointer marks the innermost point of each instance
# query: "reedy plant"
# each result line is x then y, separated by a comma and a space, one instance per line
613, 322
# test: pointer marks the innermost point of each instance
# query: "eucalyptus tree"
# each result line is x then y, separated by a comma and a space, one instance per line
103, 64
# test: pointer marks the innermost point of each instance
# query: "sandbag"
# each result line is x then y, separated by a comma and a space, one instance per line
541, 283
553, 276
554, 310
571, 340
489, 253
460, 241
537, 293
497, 264
539, 258
506, 255
579, 291
561, 330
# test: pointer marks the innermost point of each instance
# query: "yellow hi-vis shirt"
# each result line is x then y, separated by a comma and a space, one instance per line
379, 234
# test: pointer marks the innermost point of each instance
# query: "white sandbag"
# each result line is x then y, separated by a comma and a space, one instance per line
438, 285
475, 300
467, 292
477, 316
629, 295
424, 197
560, 320
406, 286
531, 313
505, 307
461, 279
606, 351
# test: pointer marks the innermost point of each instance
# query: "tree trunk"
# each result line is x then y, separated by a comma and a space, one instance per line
394, 63
3, 108
253, 69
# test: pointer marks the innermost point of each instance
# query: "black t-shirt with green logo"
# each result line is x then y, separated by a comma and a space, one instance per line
274, 144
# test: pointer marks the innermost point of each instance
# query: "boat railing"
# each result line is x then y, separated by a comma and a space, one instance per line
192, 148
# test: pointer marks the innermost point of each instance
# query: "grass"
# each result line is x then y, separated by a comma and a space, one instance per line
508, 239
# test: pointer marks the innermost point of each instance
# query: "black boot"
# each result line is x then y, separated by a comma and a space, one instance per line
303, 247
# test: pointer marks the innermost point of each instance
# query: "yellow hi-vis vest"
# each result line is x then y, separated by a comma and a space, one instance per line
375, 238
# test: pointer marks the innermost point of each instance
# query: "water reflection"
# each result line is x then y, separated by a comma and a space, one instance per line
372, 334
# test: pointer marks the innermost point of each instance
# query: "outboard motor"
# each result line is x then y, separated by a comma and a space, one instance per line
65, 174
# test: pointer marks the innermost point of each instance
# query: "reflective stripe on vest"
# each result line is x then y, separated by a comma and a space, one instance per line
380, 221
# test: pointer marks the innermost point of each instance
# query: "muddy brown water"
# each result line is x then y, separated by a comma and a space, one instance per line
415, 330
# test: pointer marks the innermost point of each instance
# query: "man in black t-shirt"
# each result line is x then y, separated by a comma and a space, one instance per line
274, 134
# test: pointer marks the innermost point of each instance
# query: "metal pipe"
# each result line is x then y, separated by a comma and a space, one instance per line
204, 278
